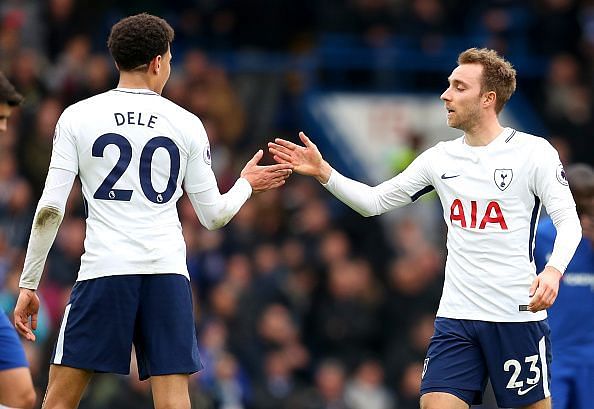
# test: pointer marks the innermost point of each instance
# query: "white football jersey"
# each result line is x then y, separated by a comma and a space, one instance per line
132, 149
491, 197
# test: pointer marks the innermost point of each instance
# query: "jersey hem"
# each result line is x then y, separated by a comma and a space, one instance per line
533, 317
85, 277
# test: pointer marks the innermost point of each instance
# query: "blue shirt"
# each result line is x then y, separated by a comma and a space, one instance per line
571, 317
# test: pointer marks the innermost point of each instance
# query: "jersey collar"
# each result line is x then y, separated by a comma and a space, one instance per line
140, 91
504, 137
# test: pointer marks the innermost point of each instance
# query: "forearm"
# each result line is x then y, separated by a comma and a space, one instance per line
43, 233
364, 199
47, 219
215, 210
569, 234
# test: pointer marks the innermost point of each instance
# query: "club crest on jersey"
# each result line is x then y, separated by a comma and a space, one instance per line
503, 178
561, 175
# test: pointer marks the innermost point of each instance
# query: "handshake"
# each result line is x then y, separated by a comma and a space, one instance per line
289, 157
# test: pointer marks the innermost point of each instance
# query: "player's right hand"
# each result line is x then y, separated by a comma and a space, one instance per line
27, 305
306, 160
263, 178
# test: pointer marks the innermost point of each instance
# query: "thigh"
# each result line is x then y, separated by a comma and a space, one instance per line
165, 332
12, 354
98, 325
65, 387
441, 400
454, 363
518, 358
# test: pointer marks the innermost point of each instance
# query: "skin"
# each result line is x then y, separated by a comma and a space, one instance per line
67, 384
472, 111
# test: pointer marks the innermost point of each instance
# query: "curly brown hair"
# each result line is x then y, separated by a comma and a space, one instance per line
8, 94
498, 74
135, 40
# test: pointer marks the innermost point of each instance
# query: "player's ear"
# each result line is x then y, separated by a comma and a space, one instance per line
489, 98
155, 64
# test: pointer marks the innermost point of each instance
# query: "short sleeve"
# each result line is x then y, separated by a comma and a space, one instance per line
64, 151
550, 183
199, 175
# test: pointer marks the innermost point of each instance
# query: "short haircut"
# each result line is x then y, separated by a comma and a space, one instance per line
8, 94
498, 74
580, 177
135, 40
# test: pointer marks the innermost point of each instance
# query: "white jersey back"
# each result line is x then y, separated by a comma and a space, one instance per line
132, 149
491, 199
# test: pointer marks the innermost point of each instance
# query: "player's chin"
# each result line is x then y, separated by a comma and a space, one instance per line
452, 123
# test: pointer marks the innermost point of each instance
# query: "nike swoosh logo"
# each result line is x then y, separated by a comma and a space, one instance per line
444, 176
525, 391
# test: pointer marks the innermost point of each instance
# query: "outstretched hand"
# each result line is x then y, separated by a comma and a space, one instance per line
27, 306
306, 160
263, 178
544, 289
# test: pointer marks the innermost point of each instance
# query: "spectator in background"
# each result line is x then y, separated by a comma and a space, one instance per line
16, 385
570, 318
329, 390
367, 390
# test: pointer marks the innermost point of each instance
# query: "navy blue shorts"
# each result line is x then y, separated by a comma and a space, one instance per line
106, 315
514, 355
12, 354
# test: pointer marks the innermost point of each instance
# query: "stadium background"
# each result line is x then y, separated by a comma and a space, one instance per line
300, 302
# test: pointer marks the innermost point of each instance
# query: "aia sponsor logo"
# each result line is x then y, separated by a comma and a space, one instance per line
474, 218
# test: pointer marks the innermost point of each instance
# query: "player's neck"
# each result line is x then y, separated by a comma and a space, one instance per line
136, 80
483, 133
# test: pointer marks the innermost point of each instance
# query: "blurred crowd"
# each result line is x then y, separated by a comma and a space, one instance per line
300, 303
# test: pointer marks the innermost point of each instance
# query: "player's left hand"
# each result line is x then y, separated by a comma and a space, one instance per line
544, 289
27, 306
